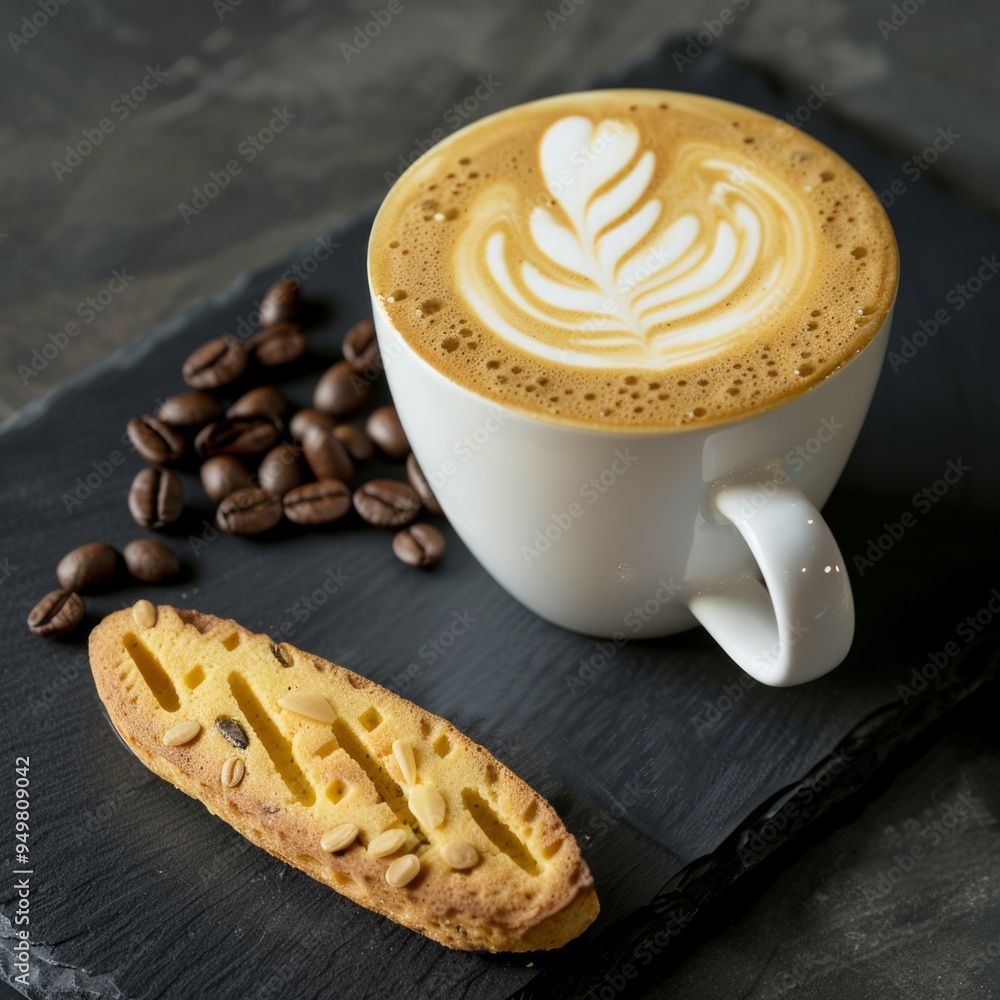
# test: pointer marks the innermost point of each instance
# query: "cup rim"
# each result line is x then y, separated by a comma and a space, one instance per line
617, 431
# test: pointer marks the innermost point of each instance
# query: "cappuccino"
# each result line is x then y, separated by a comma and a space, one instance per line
635, 260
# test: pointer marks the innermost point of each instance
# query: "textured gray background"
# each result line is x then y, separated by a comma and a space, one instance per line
804, 926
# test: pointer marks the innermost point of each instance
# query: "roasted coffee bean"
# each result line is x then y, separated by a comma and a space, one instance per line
358, 444
419, 545
216, 363
190, 409
248, 511
419, 482
87, 566
281, 303
305, 419
233, 732
151, 561
236, 436
341, 391
222, 475
384, 428
361, 346
277, 345
264, 401
282, 469
386, 503
56, 614
318, 503
156, 498
326, 456
154, 440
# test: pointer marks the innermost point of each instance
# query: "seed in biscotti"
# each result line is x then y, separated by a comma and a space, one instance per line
279, 654
403, 871
233, 732
232, 772
183, 732
428, 805
312, 706
339, 838
459, 854
403, 753
144, 613
387, 843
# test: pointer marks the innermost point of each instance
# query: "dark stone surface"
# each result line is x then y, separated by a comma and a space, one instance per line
892, 894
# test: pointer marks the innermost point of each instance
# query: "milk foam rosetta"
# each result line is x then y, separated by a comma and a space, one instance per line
634, 259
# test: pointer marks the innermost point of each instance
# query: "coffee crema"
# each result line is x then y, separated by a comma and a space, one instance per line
634, 259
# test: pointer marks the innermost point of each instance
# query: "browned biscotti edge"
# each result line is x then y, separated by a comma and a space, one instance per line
495, 906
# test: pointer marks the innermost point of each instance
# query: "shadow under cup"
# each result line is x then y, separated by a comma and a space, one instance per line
637, 535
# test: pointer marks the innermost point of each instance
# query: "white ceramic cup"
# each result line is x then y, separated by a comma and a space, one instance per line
625, 534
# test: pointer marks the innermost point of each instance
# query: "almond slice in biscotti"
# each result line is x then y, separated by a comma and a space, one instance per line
362, 790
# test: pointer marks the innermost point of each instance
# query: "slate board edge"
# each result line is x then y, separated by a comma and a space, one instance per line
869, 747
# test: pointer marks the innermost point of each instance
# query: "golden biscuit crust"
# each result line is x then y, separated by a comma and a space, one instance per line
306, 772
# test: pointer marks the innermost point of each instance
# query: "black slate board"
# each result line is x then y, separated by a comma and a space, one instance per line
674, 775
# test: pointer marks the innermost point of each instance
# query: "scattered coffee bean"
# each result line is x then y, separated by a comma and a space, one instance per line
384, 428
277, 345
326, 456
87, 566
341, 391
190, 409
419, 482
361, 346
233, 732
305, 419
386, 503
419, 545
248, 511
281, 303
264, 401
236, 436
282, 469
222, 475
156, 498
154, 440
215, 364
318, 503
358, 444
56, 614
149, 560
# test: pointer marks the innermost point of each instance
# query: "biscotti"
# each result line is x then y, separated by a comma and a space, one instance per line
359, 788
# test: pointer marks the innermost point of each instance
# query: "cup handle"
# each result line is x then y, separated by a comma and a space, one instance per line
800, 626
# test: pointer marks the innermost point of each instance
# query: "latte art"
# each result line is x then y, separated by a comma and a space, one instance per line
616, 277
633, 260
